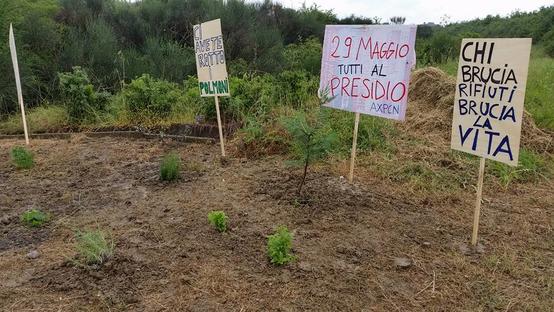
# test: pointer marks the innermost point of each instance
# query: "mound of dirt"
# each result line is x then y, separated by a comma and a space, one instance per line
429, 112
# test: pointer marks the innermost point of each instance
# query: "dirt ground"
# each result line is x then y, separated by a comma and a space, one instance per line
346, 237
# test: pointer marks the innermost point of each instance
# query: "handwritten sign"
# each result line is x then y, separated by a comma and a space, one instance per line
366, 68
210, 59
490, 92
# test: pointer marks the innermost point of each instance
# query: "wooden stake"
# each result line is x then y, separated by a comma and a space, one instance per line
221, 141
18, 83
478, 202
354, 143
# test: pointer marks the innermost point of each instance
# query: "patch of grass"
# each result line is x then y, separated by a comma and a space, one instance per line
34, 218
170, 167
279, 246
374, 133
539, 96
22, 158
94, 247
531, 167
44, 118
219, 220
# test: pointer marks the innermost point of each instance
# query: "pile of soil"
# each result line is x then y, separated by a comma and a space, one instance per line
429, 113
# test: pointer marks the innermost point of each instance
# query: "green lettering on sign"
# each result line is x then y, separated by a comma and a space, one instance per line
214, 87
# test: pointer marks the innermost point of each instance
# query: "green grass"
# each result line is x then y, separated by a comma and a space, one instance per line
22, 158
170, 167
94, 247
219, 220
34, 218
531, 167
279, 246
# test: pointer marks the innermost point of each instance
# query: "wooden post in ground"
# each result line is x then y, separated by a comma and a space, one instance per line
221, 140
478, 202
354, 143
18, 83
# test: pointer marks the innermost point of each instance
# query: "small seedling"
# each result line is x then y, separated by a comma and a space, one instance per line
219, 220
34, 218
170, 168
22, 158
279, 246
94, 247
311, 140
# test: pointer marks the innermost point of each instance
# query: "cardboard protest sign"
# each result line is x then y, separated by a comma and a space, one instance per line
490, 91
210, 59
366, 68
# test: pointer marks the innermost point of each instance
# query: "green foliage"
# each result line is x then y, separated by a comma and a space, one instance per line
170, 167
38, 39
279, 246
531, 167
82, 102
34, 218
539, 93
548, 40
150, 99
94, 247
311, 139
219, 220
22, 158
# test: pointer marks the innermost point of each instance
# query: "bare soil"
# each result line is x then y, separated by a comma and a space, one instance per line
346, 237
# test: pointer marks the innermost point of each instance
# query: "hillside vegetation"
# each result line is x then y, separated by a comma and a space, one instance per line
109, 62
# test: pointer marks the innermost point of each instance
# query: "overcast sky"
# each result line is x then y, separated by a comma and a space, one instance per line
420, 11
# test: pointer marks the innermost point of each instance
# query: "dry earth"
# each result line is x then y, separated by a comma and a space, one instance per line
346, 238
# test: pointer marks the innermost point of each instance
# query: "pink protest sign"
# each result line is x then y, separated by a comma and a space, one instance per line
366, 68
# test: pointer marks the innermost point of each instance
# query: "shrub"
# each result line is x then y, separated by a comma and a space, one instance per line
82, 102
279, 246
94, 247
219, 220
311, 140
22, 158
149, 98
34, 218
170, 167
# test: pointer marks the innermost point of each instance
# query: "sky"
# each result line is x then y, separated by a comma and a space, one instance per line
421, 11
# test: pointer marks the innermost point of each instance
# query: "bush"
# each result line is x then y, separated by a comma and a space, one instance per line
94, 247
22, 158
34, 218
279, 246
219, 220
81, 101
149, 99
170, 168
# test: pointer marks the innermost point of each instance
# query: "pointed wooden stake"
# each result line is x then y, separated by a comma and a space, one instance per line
354, 143
221, 140
18, 83
478, 202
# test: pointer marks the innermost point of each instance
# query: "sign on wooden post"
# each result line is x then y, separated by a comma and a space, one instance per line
211, 66
366, 69
18, 83
488, 107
